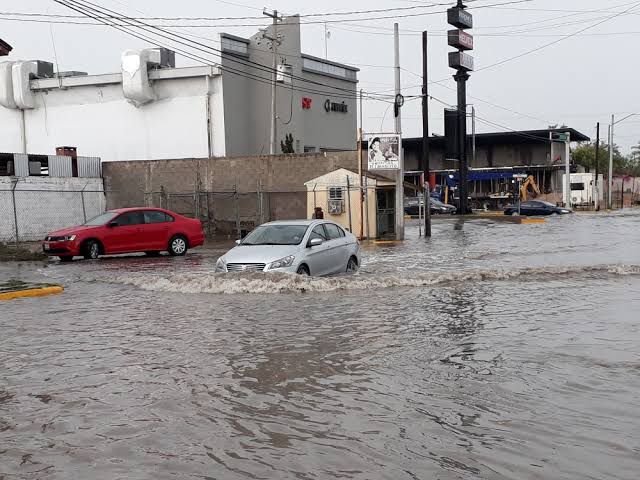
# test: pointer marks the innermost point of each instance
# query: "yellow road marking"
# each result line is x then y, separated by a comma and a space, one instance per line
31, 292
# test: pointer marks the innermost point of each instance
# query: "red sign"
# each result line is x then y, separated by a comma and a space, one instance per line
306, 103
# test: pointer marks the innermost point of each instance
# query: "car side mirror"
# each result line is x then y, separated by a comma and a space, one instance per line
113, 224
315, 242
238, 242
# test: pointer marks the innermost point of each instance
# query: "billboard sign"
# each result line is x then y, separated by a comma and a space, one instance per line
461, 61
459, 18
383, 151
460, 39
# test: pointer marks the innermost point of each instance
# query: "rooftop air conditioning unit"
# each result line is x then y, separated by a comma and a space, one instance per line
43, 69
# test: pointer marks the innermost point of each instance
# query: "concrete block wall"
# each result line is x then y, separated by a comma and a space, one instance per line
282, 177
44, 204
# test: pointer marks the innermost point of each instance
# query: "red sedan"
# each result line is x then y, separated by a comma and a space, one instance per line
127, 230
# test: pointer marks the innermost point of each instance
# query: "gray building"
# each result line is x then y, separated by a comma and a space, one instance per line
316, 98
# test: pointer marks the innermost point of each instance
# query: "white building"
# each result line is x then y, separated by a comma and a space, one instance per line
152, 110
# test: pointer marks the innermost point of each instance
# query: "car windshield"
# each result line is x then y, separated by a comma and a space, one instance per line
276, 235
101, 219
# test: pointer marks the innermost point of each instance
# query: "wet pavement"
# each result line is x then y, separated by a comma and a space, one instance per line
491, 351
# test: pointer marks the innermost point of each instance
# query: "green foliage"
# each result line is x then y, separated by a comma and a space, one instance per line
287, 145
585, 155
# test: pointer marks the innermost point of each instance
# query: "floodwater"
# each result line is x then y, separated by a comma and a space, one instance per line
491, 351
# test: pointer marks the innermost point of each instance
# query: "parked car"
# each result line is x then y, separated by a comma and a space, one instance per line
127, 230
437, 207
536, 207
305, 247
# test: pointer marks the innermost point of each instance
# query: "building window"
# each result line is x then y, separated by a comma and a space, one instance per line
335, 193
322, 67
38, 165
6, 165
235, 46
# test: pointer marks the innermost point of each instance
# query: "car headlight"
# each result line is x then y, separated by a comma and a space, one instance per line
221, 265
69, 238
282, 263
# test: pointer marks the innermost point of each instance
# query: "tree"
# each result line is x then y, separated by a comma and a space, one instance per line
287, 145
585, 155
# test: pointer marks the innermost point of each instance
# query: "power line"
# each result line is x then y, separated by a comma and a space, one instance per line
83, 9
81, 6
542, 47
285, 23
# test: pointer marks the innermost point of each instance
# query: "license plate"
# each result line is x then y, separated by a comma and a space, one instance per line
46, 246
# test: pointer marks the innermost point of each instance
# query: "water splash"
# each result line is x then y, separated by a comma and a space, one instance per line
236, 283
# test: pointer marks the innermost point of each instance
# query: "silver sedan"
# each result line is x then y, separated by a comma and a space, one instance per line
305, 247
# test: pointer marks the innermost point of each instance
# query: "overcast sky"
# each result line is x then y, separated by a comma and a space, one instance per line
577, 81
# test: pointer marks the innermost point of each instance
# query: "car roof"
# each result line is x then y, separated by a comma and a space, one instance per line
136, 209
294, 222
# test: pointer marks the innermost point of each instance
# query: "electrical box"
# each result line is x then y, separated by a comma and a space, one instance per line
284, 74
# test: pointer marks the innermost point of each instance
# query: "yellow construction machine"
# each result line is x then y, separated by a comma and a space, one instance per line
524, 188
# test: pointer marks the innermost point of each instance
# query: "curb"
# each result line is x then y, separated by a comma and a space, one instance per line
31, 292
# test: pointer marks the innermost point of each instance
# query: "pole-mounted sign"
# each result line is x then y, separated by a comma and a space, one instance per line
460, 18
460, 39
463, 63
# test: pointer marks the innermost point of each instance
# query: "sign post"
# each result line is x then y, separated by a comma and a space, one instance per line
519, 177
463, 63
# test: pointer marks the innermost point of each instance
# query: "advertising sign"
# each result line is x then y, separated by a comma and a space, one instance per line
384, 150
460, 18
460, 39
461, 61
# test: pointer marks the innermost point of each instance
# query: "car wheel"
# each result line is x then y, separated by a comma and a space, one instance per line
555, 213
352, 265
91, 250
178, 246
66, 259
514, 213
152, 254
303, 270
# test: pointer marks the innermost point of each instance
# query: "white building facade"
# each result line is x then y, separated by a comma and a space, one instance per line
151, 110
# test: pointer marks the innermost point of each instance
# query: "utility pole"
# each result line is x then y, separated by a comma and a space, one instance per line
610, 179
567, 164
463, 63
425, 139
596, 201
361, 196
400, 174
274, 47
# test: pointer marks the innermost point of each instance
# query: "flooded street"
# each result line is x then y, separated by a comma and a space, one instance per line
491, 351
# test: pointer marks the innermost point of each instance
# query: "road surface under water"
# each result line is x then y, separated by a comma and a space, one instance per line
491, 351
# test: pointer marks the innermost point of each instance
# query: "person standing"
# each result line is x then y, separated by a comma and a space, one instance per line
318, 214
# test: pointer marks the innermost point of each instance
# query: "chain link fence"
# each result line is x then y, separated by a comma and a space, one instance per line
232, 214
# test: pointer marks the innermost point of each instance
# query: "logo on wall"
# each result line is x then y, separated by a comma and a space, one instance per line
306, 103
330, 106
383, 151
